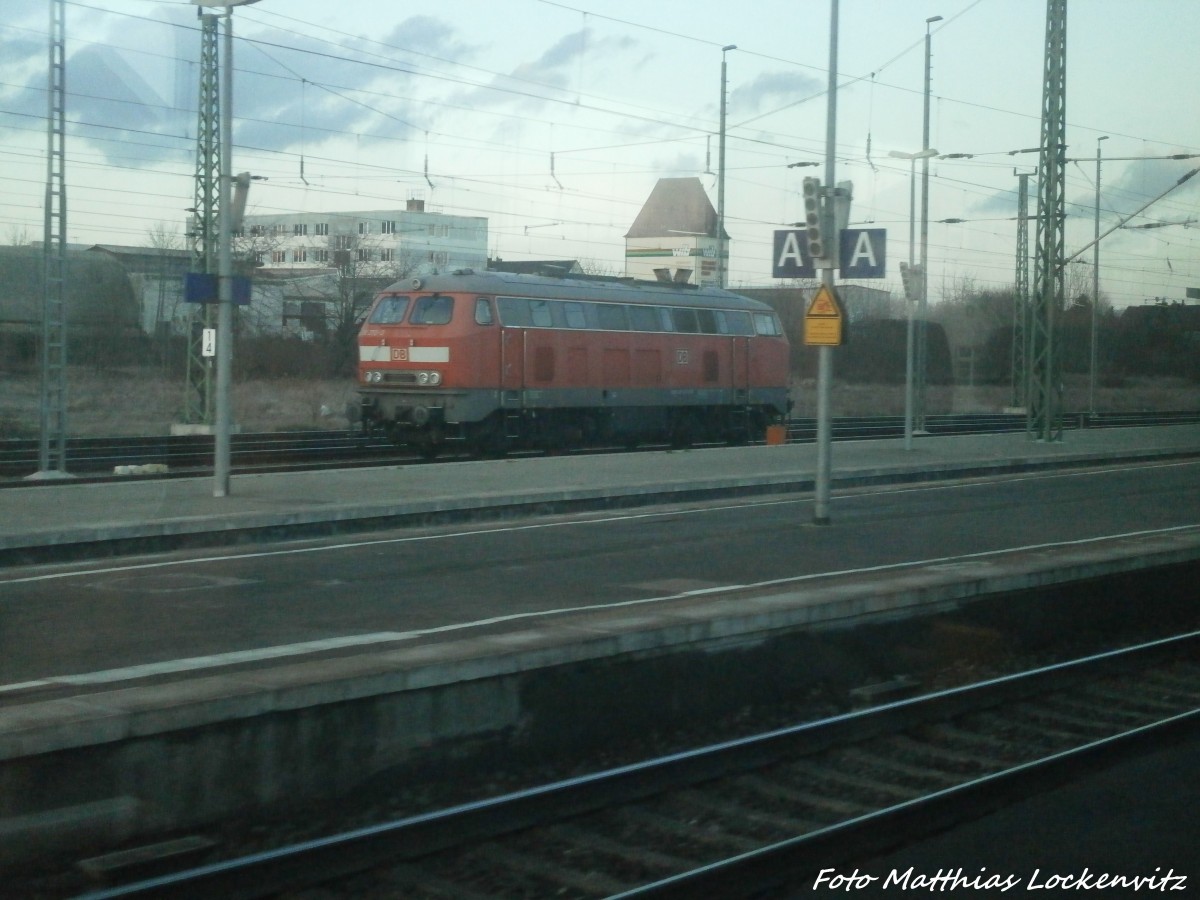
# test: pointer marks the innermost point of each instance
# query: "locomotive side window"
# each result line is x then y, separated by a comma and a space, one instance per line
435, 310
514, 311
389, 311
643, 318
611, 317
685, 320
483, 311
539, 314
708, 321
575, 315
664, 319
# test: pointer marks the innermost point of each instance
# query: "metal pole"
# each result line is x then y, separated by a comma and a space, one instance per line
721, 180
825, 354
221, 451
908, 344
1095, 289
923, 309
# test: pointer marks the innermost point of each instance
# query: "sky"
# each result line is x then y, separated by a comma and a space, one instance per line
554, 120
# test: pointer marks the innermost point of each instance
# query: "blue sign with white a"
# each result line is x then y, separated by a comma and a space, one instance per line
863, 253
790, 258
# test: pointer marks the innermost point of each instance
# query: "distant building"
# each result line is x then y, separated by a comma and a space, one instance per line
156, 275
405, 241
675, 237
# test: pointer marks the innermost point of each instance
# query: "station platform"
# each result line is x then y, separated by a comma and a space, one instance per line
97, 759
51, 520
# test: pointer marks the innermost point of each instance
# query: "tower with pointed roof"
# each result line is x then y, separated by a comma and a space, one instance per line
675, 236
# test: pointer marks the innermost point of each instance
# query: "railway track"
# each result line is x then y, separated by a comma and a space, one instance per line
756, 813
163, 456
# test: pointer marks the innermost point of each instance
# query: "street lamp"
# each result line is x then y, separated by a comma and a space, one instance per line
721, 177
908, 352
1095, 288
222, 418
922, 341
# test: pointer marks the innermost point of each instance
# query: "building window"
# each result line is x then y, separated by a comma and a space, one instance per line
342, 242
363, 254
259, 258
299, 230
387, 254
321, 229
320, 256
299, 256
364, 227
439, 257
388, 228
439, 230
279, 228
278, 256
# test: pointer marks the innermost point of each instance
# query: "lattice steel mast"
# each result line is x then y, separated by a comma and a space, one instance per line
1043, 418
198, 402
52, 449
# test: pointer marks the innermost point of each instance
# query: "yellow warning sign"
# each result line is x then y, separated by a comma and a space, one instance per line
823, 320
824, 303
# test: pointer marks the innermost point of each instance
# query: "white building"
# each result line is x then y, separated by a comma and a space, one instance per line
404, 241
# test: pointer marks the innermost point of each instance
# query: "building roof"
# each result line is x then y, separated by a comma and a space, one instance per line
676, 206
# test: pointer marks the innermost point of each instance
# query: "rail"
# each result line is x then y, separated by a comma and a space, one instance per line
1086, 712
190, 454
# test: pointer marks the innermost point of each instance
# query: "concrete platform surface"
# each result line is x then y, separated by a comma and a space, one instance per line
91, 518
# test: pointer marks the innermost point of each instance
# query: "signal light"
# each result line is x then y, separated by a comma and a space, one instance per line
814, 218
913, 279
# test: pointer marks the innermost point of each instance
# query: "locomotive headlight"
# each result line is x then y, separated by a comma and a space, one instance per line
435, 378
377, 377
422, 378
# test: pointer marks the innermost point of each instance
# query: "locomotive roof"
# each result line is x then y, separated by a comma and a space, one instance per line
616, 290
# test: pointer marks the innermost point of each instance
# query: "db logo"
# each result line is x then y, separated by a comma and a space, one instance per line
400, 354
681, 357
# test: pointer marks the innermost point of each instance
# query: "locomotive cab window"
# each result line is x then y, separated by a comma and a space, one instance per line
766, 325
389, 311
435, 310
738, 322
483, 311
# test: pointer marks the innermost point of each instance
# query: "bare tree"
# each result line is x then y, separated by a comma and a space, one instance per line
18, 236
364, 267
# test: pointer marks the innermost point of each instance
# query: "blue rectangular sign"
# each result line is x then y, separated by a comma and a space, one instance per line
199, 287
863, 252
790, 258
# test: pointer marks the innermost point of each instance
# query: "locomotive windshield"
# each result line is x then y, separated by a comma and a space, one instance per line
389, 311
435, 310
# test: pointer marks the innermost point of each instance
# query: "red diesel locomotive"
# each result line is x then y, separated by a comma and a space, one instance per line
495, 360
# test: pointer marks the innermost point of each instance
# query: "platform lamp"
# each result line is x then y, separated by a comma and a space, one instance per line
721, 177
913, 285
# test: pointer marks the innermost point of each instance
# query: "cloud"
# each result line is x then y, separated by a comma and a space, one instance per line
770, 91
